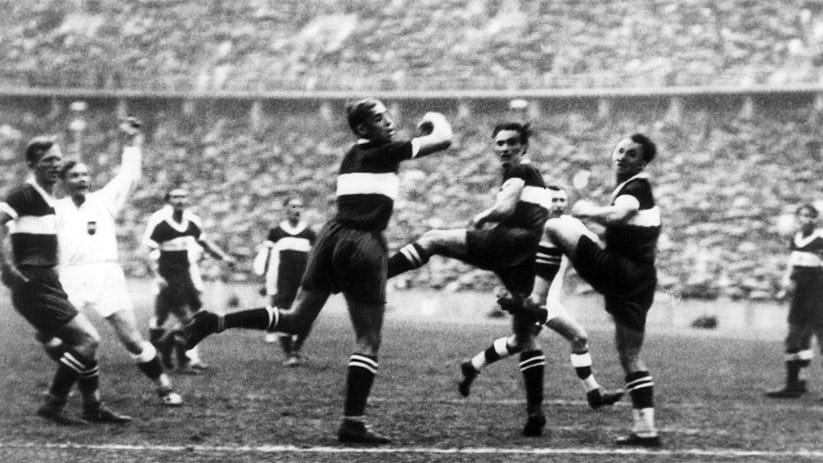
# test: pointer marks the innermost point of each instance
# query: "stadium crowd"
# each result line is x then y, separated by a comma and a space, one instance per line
717, 178
258, 45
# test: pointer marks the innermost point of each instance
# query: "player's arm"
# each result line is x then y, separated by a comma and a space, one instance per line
435, 135
215, 251
624, 208
505, 203
786, 281
131, 165
10, 274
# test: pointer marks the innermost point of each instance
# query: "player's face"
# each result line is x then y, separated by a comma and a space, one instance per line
47, 168
508, 148
179, 199
294, 210
627, 157
379, 127
77, 180
560, 200
806, 221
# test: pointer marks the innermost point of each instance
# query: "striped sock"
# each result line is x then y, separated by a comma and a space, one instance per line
360, 377
87, 373
532, 364
409, 257
498, 350
641, 389
796, 362
148, 362
582, 363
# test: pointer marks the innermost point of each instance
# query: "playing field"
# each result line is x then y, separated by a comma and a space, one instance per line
709, 393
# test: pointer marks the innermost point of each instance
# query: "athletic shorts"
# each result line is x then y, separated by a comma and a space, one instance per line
506, 251
628, 286
806, 307
42, 301
100, 287
179, 292
354, 262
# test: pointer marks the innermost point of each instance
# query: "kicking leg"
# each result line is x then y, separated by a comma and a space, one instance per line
449, 243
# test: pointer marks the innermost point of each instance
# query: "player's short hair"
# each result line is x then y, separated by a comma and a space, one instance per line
358, 112
167, 196
37, 147
66, 167
649, 148
524, 130
555, 187
291, 198
808, 207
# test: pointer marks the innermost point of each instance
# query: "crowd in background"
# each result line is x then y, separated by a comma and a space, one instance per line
258, 45
724, 182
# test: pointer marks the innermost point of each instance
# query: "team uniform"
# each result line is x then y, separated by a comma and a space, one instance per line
286, 251
806, 260
351, 253
551, 266
89, 268
42, 300
624, 272
508, 249
171, 242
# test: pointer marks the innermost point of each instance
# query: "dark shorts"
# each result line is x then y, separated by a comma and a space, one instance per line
178, 293
508, 252
354, 262
628, 286
42, 301
807, 302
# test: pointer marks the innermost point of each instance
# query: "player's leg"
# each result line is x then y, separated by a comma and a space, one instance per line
798, 356
639, 384
367, 321
144, 355
82, 340
532, 366
161, 338
565, 232
449, 243
580, 358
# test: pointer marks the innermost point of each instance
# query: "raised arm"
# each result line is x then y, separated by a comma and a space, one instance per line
435, 134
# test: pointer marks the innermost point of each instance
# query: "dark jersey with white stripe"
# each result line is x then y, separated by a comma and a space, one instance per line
637, 238
173, 239
34, 230
807, 252
367, 184
532, 209
293, 245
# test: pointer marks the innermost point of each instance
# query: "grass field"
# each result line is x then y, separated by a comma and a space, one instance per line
709, 392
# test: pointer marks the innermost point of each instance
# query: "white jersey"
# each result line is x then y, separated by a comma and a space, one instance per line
86, 234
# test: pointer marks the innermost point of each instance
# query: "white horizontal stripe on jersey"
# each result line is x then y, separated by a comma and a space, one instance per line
536, 195
646, 218
35, 225
805, 259
364, 183
293, 244
181, 243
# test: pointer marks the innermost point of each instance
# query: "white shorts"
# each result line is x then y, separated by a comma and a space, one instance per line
99, 287
555, 309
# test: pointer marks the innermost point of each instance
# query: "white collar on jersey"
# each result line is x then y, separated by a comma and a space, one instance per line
800, 240
285, 225
633, 177
166, 213
45, 194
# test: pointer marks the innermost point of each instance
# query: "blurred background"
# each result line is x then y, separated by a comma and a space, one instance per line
243, 104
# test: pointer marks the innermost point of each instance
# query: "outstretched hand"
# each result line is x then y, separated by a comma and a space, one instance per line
131, 130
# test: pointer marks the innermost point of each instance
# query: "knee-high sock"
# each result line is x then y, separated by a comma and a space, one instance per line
532, 364
148, 362
796, 361
498, 350
409, 257
582, 363
360, 377
261, 318
87, 373
641, 389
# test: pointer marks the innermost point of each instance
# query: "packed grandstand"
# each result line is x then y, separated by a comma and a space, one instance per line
724, 179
